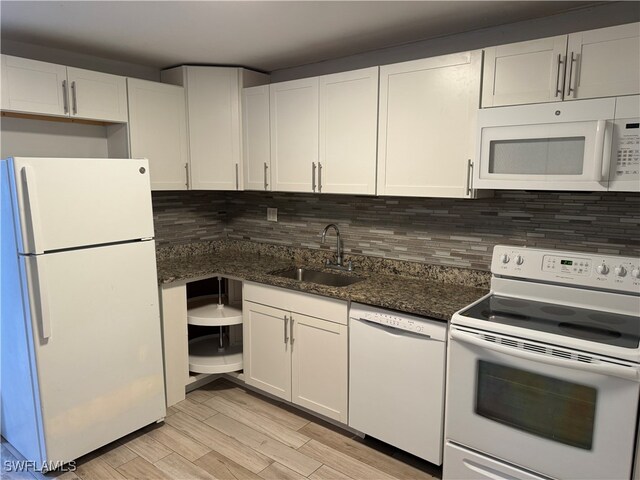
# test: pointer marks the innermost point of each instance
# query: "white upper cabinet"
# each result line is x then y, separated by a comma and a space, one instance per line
427, 121
30, 86
591, 64
97, 95
603, 62
525, 72
348, 132
158, 131
294, 135
256, 144
214, 122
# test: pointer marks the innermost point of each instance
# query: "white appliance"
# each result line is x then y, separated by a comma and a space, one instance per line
81, 352
544, 371
588, 145
396, 379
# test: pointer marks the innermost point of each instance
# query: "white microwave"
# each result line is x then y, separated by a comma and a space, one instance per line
587, 145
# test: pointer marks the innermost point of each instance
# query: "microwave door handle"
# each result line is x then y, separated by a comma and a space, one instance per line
602, 150
628, 373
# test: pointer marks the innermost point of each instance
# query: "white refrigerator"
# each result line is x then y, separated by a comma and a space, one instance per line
80, 334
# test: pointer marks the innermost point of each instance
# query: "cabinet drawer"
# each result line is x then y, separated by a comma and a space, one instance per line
312, 305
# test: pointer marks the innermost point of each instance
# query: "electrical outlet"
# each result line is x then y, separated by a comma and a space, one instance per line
272, 214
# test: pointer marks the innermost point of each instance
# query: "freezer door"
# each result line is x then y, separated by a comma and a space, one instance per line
63, 203
99, 369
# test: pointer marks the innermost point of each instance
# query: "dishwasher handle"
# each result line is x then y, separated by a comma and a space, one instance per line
396, 332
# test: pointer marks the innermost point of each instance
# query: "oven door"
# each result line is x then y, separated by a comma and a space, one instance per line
542, 408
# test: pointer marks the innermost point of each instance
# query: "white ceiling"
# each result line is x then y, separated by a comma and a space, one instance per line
259, 34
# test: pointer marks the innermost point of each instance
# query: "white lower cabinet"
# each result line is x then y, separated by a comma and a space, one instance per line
295, 347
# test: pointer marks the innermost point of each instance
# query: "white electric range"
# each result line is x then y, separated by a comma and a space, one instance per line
544, 371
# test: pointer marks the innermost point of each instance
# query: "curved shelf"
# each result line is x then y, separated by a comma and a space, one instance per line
206, 312
205, 358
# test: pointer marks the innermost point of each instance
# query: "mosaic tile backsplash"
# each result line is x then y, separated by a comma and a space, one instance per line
451, 232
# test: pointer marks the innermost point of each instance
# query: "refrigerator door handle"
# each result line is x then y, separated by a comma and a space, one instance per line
32, 207
38, 275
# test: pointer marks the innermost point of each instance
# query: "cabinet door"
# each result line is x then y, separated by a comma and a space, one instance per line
158, 132
97, 96
427, 122
266, 350
525, 72
348, 132
30, 86
256, 149
213, 105
294, 135
603, 62
319, 366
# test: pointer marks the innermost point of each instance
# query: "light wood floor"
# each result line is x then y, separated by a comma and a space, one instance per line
222, 431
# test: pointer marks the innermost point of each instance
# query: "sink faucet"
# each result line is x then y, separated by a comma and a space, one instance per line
338, 263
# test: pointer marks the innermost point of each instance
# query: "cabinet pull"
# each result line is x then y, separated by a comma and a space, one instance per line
574, 59
469, 173
319, 177
560, 63
286, 320
266, 184
186, 170
65, 96
291, 330
237, 179
74, 98
313, 176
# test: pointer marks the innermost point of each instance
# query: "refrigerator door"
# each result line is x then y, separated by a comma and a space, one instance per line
63, 203
99, 369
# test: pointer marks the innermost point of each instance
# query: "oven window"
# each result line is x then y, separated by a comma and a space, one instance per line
537, 156
548, 407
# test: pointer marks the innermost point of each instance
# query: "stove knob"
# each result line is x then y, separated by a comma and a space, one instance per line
519, 260
504, 258
635, 273
620, 271
602, 269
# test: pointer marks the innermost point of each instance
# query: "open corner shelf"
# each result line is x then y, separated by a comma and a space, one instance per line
205, 358
205, 311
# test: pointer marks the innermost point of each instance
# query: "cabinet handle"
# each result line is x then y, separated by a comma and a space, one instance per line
319, 177
286, 320
74, 98
574, 59
186, 170
266, 184
237, 178
469, 173
291, 330
558, 89
65, 96
313, 176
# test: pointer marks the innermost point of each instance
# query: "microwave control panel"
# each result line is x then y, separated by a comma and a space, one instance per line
624, 174
627, 149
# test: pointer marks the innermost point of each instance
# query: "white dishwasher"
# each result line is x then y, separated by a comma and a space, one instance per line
396, 384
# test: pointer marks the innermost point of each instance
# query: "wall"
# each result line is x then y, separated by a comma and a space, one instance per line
79, 60
608, 14
439, 231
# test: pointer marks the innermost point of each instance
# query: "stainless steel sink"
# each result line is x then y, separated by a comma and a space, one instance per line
315, 276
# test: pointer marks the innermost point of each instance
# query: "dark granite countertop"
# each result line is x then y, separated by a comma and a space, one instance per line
436, 292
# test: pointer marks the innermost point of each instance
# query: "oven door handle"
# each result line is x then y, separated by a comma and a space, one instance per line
602, 368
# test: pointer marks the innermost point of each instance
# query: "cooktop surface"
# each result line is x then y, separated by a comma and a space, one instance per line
581, 323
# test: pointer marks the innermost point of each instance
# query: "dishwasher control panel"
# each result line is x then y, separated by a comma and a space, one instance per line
435, 329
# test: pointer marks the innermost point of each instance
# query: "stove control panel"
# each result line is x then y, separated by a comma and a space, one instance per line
572, 268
